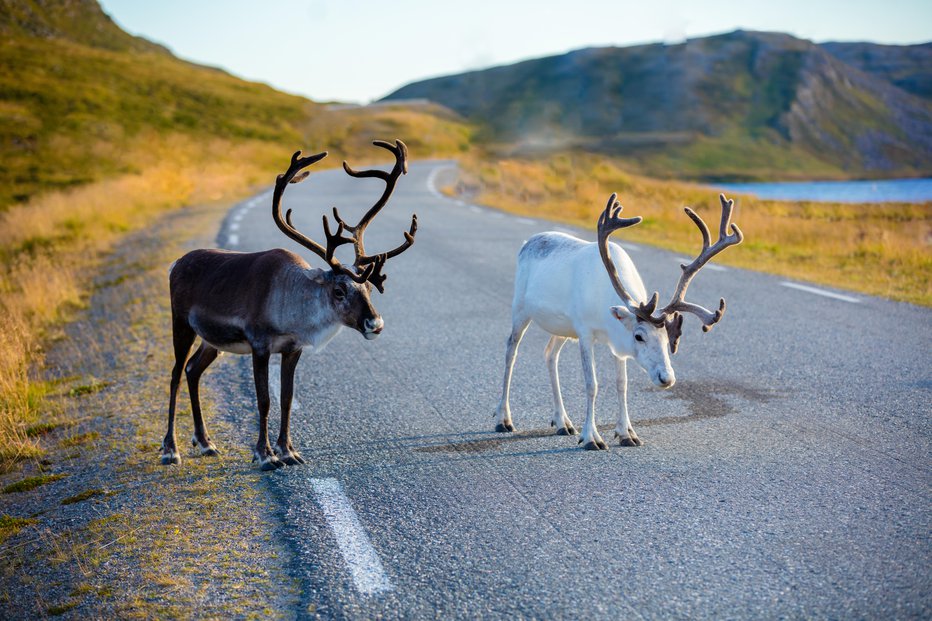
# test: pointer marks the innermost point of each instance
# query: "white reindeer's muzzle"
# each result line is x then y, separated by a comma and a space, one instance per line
664, 378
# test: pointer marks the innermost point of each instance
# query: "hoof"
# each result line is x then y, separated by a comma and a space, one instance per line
272, 463
503, 427
292, 459
170, 458
595, 445
289, 457
628, 441
566, 431
206, 450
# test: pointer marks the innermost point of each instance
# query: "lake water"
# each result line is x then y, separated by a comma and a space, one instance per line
888, 190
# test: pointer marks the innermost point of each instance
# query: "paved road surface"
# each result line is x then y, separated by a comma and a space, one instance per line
786, 475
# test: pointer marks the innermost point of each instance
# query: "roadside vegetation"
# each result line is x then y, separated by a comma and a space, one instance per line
878, 249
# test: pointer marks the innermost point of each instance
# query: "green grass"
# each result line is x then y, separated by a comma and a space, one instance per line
9, 526
88, 389
83, 496
31, 483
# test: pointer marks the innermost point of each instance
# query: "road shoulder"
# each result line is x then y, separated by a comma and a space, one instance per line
106, 531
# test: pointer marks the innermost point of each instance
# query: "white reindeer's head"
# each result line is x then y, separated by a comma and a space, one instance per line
649, 344
655, 334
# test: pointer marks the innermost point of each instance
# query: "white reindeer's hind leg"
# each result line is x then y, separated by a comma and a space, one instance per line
503, 412
590, 438
623, 429
560, 420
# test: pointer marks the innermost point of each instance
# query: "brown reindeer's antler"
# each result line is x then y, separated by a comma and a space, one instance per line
334, 240
678, 303
374, 263
670, 316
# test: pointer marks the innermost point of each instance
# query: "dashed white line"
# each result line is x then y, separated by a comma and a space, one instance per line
525, 221
232, 239
822, 292
474, 209
234, 226
560, 229
360, 557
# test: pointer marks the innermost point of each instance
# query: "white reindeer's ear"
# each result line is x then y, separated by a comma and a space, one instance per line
625, 316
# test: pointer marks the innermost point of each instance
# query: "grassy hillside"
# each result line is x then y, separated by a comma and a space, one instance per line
743, 105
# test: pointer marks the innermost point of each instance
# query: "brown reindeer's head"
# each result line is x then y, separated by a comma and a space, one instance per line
352, 303
349, 288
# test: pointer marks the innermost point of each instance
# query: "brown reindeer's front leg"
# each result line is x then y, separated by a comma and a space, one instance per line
283, 447
263, 451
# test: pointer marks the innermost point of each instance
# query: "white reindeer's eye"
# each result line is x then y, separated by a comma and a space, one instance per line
638, 338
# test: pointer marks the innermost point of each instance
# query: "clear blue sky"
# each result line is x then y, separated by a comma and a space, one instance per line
360, 51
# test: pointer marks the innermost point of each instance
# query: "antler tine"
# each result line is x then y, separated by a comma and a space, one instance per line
377, 261
298, 163
678, 303
610, 222
400, 150
336, 240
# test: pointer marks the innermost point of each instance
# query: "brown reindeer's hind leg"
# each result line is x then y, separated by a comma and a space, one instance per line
283, 447
193, 370
183, 337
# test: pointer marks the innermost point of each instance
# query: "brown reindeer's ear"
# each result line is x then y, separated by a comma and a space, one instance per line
301, 177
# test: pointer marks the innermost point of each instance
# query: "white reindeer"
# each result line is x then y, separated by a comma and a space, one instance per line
561, 285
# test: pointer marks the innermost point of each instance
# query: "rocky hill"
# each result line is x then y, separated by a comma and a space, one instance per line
737, 105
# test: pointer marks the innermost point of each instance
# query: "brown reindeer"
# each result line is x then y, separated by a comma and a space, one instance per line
273, 302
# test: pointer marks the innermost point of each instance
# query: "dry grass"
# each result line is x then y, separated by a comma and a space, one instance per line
878, 249
51, 245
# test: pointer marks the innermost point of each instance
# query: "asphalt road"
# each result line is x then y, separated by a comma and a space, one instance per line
786, 475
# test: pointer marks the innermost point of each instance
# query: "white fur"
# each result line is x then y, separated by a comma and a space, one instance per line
562, 286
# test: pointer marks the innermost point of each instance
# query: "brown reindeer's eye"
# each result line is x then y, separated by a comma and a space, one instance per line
339, 291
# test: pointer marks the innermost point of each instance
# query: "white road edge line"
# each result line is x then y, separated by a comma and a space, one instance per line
828, 294
432, 181
361, 558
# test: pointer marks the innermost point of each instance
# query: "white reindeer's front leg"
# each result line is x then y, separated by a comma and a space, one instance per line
623, 429
503, 421
560, 420
590, 438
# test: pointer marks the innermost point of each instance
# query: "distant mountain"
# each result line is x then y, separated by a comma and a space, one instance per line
908, 67
737, 105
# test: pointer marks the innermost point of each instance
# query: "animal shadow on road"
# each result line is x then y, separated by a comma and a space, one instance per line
704, 400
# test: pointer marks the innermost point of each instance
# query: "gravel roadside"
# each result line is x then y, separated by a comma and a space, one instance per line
97, 528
